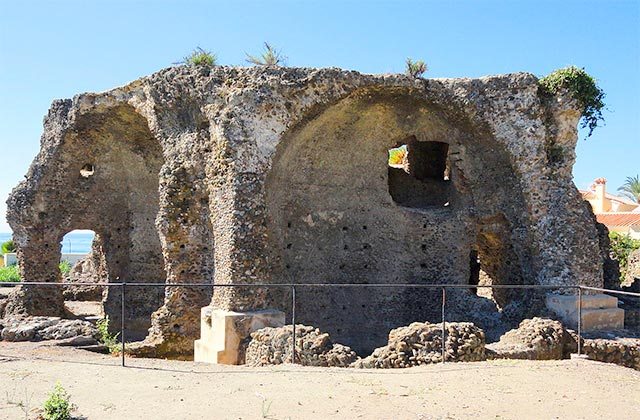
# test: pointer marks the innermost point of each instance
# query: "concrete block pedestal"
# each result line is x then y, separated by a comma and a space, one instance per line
221, 333
599, 312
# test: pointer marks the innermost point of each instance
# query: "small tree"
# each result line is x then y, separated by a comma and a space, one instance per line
269, 58
631, 188
415, 68
7, 247
620, 248
200, 57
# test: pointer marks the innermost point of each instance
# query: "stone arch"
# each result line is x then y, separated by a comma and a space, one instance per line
332, 219
103, 177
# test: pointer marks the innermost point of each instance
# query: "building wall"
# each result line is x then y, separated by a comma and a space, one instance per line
258, 175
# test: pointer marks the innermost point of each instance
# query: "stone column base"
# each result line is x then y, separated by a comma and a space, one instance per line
599, 312
221, 333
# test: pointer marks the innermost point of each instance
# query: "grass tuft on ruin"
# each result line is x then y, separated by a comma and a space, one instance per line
583, 88
416, 68
200, 57
271, 57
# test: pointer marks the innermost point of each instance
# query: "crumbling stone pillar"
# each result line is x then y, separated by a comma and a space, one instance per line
239, 221
38, 258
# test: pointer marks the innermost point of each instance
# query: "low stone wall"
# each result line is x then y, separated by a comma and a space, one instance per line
273, 346
421, 343
621, 351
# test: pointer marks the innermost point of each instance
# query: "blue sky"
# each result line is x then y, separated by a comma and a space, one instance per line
55, 49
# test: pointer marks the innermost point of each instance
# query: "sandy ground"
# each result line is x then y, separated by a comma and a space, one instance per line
161, 389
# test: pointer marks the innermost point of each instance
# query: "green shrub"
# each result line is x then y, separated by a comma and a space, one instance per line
65, 267
621, 247
106, 338
415, 68
200, 57
57, 406
9, 274
269, 58
583, 88
7, 247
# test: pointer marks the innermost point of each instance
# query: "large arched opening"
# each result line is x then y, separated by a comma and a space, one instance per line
106, 180
341, 212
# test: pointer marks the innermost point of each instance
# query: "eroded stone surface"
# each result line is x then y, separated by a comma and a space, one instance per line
534, 339
623, 351
421, 343
274, 346
44, 328
259, 175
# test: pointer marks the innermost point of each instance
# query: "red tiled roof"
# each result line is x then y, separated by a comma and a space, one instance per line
619, 219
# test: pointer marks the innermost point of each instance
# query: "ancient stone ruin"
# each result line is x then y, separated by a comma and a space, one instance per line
283, 175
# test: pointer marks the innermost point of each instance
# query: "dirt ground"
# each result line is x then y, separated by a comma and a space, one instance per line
161, 389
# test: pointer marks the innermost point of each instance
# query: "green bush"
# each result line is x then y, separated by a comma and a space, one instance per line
200, 57
415, 68
7, 247
57, 406
106, 338
621, 247
65, 267
9, 274
584, 89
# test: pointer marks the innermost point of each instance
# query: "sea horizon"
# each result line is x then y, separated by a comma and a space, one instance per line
74, 242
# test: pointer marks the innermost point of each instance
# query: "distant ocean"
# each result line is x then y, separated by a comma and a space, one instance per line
75, 242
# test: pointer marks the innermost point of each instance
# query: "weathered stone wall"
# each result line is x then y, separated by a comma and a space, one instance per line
280, 175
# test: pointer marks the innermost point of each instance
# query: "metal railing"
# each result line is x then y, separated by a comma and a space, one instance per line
294, 286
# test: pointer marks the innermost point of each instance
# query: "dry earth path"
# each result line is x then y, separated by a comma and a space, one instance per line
161, 389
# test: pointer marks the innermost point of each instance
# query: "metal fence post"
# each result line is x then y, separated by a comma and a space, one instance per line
293, 322
444, 298
579, 320
122, 304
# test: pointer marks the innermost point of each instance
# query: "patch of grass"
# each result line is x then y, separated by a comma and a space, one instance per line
23, 404
200, 57
415, 69
583, 88
269, 58
106, 338
10, 274
57, 406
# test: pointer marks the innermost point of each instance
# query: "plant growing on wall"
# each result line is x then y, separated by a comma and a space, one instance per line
105, 337
631, 188
200, 57
269, 58
620, 248
65, 267
583, 88
415, 68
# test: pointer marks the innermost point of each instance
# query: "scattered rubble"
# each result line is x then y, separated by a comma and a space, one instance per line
534, 339
273, 346
421, 343
44, 328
